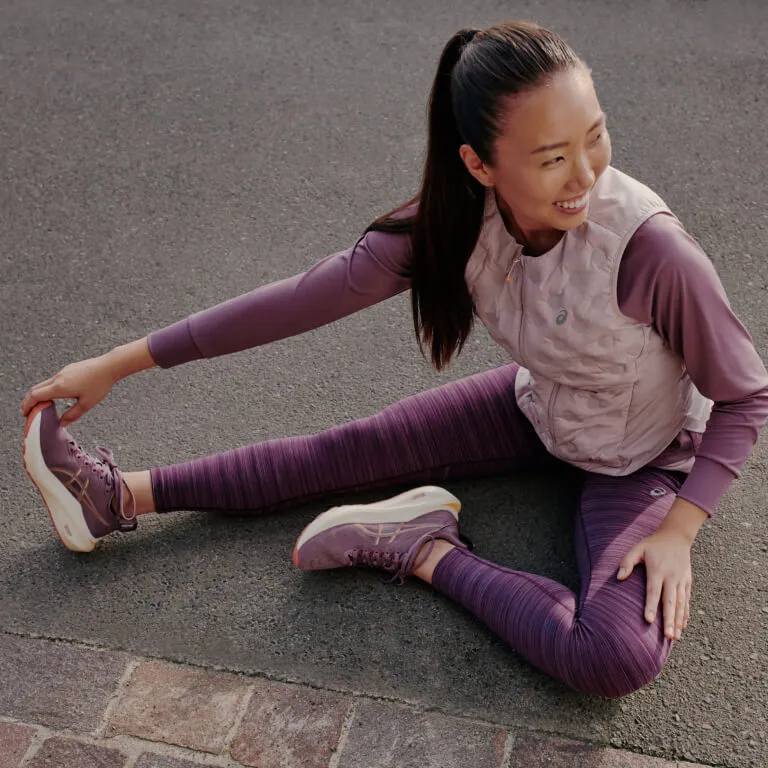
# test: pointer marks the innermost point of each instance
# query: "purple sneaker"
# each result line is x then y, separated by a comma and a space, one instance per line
388, 534
84, 495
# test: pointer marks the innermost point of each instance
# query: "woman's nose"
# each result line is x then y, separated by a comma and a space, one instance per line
584, 175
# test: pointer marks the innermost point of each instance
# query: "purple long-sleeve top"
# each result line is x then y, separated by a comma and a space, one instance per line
665, 281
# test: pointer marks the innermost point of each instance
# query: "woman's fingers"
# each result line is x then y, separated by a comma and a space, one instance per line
652, 597
680, 611
675, 598
74, 413
38, 393
87, 380
670, 605
687, 613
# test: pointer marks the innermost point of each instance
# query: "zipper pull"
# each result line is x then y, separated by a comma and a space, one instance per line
515, 261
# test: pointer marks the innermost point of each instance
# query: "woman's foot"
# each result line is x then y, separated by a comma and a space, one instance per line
397, 534
84, 494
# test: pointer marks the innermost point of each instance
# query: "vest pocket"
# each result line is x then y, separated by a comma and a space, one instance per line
590, 426
551, 412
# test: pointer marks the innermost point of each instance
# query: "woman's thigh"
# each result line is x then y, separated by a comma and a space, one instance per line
472, 420
614, 514
466, 428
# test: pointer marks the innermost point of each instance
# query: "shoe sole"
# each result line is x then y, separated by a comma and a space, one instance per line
65, 511
403, 508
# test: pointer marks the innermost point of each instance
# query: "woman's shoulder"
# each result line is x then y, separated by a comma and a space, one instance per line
663, 243
392, 249
619, 203
663, 265
664, 272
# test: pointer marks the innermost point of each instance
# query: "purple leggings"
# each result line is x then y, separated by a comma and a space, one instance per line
597, 642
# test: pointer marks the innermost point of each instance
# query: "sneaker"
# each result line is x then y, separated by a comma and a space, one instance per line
83, 494
388, 534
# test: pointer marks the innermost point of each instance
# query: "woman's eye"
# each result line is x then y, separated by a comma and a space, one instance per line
555, 160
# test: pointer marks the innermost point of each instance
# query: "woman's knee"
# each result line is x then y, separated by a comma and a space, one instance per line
619, 661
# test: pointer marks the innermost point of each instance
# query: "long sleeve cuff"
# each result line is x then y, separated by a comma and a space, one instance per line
706, 484
173, 345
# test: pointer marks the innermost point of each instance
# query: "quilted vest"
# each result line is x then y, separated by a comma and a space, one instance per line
603, 392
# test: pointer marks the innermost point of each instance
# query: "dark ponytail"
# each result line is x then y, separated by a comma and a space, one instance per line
476, 70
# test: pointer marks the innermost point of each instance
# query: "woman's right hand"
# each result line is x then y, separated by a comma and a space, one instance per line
88, 382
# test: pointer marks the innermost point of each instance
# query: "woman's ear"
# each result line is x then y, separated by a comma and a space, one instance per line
476, 166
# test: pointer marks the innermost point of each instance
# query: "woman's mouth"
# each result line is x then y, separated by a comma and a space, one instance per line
574, 205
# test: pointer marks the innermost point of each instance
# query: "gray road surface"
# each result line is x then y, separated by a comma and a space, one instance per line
159, 157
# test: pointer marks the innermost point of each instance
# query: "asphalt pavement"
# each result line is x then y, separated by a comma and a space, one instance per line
157, 158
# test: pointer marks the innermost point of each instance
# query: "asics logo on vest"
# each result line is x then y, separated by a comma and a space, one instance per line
562, 316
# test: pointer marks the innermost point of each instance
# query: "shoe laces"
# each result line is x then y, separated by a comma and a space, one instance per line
106, 469
102, 467
388, 561
401, 564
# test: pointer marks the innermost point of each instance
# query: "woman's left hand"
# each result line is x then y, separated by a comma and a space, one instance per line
667, 558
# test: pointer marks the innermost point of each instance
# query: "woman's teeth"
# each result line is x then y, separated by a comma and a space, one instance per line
578, 203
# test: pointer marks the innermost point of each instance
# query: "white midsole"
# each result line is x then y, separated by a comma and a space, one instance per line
402, 508
66, 512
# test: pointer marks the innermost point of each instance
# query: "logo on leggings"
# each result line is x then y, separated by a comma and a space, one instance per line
562, 316
658, 492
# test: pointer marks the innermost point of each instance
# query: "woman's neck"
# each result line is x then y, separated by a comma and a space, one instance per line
535, 241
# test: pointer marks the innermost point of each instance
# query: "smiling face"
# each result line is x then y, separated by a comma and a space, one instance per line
553, 147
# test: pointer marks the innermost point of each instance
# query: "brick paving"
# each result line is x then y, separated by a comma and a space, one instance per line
64, 705
15, 740
179, 705
290, 725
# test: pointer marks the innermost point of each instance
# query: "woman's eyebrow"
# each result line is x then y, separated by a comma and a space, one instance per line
548, 147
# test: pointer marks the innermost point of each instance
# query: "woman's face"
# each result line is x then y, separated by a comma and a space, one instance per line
553, 147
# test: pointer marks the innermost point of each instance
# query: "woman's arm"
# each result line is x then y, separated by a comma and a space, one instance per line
666, 280
342, 283
335, 287
130, 358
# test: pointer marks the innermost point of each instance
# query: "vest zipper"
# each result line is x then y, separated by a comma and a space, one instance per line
556, 388
518, 260
515, 262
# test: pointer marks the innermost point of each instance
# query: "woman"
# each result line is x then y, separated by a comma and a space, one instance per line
629, 364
